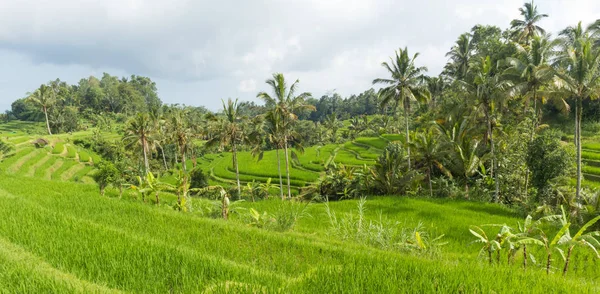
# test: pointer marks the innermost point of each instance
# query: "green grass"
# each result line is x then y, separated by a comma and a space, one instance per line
84, 156
66, 238
71, 152
590, 155
59, 148
378, 143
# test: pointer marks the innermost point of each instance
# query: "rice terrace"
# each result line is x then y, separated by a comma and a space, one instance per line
480, 177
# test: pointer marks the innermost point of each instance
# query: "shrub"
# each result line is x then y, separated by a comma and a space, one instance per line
547, 159
198, 179
390, 173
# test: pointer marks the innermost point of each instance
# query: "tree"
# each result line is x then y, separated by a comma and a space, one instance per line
285, 106
181, 133
44, 97
579, 76
489, 91
139, 132
106, 175
527, 28
460, 57
231, 133
332, 123
530, 70
404, 85
427, 149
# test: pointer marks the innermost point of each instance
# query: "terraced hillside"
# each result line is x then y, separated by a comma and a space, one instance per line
65, 238
591, 159
307, 169
58, 160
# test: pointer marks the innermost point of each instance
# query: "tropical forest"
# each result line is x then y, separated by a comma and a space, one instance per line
482, 179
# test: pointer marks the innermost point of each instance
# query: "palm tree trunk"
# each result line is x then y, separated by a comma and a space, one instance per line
145, 151
548, 263
578, 113
407, 133
287, 167
429, 180
494, 171
47, 121
237, 171
279, 170
183, 160
162, 150
567, 260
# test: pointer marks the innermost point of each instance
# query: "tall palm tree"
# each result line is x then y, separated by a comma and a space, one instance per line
489, 91
333, 124
285, 105
272, 129
181, 133
44, 97
530, 69
436, 86
579, 74
231, 133
460, 57
404, 85
140, 132
525, 29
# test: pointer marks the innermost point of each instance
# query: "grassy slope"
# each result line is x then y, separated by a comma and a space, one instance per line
83, 241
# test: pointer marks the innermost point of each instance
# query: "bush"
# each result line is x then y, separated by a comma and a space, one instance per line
198, 179
548, 160
390, 173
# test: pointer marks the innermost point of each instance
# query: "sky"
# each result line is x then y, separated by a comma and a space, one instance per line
199, 52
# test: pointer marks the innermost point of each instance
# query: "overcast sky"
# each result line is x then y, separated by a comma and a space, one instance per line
201, 51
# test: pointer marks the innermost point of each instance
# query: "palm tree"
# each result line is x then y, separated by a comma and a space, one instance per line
231, 133
527, 28
460, 57
272, 129
530, 70
140, 132
427, 150
404, 86
333, 124
489, 90
579, 75
436, 86
44, 97
284, 106
181, 133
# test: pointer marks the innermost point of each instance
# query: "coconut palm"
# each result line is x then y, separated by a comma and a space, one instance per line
525, 29
181, 133
140, 132
489, 91
579, 76
436, 86
460, 57
427, 149
530, 70
404, 85
231, 133
284, 106
333, 124
44, 97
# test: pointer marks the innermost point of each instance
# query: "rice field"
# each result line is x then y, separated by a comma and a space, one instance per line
63, 237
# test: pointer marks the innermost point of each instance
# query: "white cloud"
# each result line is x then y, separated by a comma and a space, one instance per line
221, 49
247, 86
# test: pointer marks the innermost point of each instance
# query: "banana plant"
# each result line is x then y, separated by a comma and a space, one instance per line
490, 245
581, 238
147, 185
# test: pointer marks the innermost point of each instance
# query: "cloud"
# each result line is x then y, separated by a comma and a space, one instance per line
247, 86
222, 48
